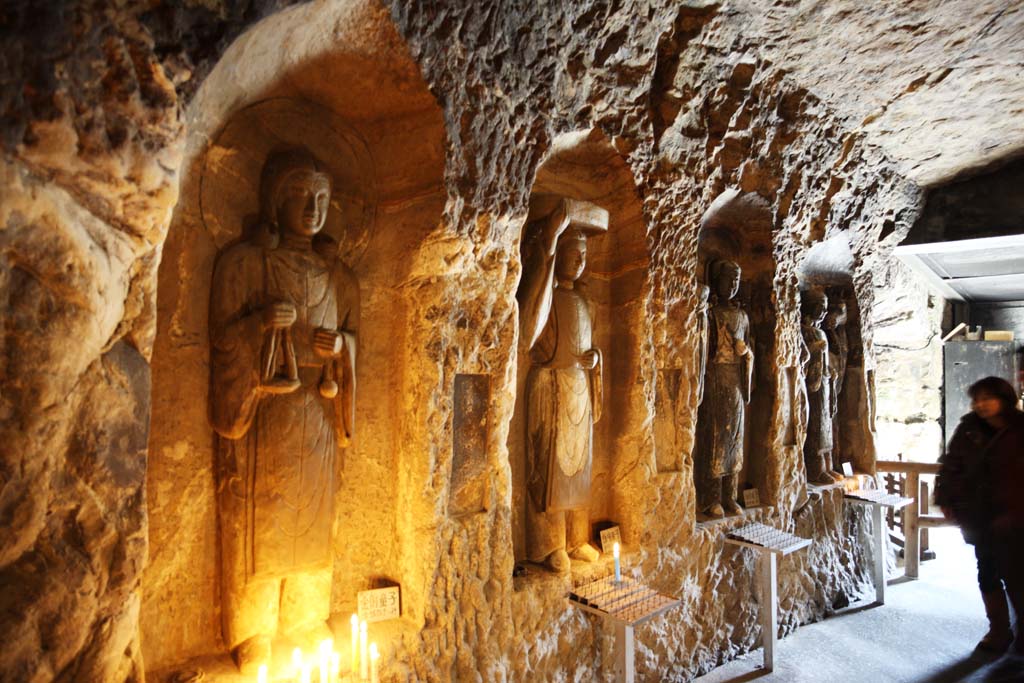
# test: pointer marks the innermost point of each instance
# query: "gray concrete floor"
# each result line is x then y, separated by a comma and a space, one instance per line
925, 633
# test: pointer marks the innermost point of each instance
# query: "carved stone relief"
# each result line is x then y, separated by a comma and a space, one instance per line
728, 387
469, 443
283, 317
564, 386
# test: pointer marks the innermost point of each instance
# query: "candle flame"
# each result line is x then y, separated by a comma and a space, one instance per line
297, 658
261, 675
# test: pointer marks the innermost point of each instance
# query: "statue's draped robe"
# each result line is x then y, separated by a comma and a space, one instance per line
563, 403
819, 380
277, 452
727, 389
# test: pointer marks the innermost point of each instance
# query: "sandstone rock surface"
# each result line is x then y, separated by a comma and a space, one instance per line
824, 118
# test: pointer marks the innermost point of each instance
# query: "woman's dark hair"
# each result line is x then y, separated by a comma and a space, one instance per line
998, 387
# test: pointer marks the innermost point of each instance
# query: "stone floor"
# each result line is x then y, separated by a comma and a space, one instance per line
925, 633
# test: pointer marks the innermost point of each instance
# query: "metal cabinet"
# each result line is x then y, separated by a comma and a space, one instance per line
965, 362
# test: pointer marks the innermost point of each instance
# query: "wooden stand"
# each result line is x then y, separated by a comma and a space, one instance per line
626, 604
878, 501
770, 543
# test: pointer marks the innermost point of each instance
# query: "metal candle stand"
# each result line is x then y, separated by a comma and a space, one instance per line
626, 604
878, 501
770, 543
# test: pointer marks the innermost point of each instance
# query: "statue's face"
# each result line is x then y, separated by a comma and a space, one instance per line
728, 281
571, 259
816, 309
303, 206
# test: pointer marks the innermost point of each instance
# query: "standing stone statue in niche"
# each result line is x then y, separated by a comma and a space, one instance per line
283, 316
838, 354
563, 388
728, 386
701, 315
818, 374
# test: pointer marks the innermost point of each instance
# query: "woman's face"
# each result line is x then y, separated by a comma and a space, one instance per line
986, 406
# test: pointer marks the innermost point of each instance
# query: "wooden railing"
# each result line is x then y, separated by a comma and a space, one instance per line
913, 520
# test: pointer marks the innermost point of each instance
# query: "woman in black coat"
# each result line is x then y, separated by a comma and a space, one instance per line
981, 487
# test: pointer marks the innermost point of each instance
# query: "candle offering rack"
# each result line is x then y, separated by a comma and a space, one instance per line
878, 500
770, 543
626, 603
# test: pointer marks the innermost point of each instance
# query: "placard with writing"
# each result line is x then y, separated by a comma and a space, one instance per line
609, 537
380, 604
751, 498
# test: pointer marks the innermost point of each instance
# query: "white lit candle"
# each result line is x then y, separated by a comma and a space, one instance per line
618, 569
355, 645
326, 647
307, 673
374, 656
335, 666
261, 675
297, 661
364, 657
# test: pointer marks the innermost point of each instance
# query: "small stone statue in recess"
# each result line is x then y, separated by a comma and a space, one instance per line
701, 315
818, 374
283, 317
563, 388
728, 386
838, 354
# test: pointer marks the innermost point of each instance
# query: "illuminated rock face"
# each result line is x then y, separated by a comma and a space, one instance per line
702, 129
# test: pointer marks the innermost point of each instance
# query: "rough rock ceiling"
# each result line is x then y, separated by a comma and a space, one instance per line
937, 84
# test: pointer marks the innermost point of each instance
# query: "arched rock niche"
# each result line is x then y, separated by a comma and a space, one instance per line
584, 165
738, 227
338, 79
828, 265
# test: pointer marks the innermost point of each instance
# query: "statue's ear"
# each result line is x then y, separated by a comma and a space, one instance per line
326, 246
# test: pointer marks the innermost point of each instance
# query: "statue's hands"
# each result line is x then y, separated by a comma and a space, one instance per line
588, 359
279, 315
326, 342
556, 225
741, 348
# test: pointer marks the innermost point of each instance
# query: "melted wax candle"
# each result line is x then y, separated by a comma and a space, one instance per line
618, 569
355, 645
364, 657
374, 657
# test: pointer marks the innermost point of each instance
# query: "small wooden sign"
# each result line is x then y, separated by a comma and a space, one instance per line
609, 537
848, 469
751, 498
380, 604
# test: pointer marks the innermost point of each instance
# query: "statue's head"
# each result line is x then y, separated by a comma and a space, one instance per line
571, 255
703, 291
295, 191
813, 306
836, 315
724, 278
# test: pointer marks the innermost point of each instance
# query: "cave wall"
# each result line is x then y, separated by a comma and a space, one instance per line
682, 97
